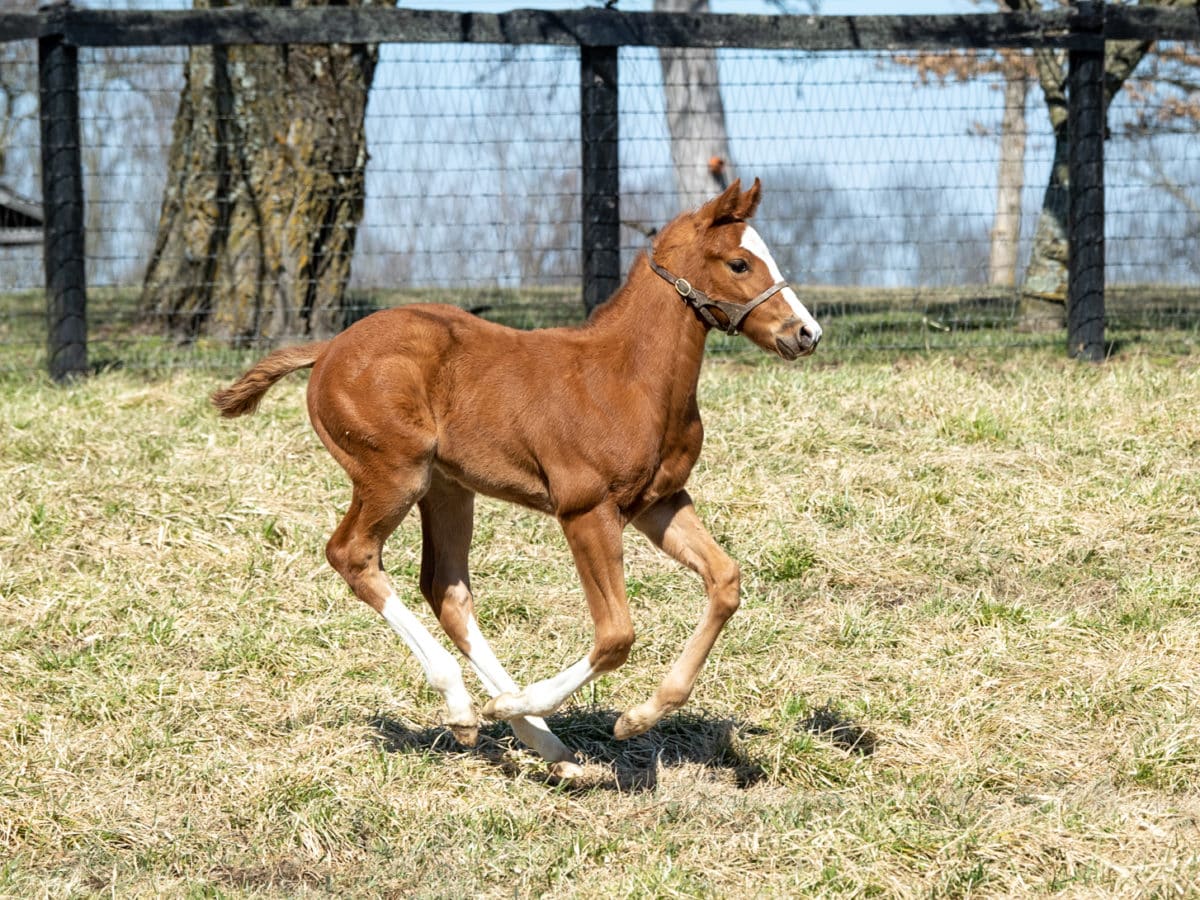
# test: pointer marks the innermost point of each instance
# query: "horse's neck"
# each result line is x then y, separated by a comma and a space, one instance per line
656, 336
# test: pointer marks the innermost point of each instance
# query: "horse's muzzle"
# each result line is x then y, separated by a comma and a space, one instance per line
798, 339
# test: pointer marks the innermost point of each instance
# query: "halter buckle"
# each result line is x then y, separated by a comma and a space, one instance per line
683, 287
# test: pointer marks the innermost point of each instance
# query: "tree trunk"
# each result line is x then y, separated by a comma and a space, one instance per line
1006, 227
1044, 294
695, 115
1044, 291
265, 191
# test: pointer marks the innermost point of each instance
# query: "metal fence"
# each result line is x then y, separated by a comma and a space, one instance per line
493, 180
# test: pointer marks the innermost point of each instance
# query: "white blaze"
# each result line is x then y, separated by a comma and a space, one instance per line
753, 242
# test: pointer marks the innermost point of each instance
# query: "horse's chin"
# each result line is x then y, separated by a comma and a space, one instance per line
794, 347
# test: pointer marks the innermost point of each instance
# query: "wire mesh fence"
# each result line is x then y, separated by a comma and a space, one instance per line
1153, 199
22, 308
882, 176
880, 191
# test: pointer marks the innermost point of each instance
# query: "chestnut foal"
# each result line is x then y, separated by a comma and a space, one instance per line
597, 425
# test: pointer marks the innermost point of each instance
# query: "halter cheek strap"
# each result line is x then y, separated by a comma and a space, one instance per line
735, 313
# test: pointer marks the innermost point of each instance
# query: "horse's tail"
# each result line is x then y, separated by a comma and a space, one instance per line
242, 397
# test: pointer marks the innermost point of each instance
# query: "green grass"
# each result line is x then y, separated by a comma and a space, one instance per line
965, 665
859, 320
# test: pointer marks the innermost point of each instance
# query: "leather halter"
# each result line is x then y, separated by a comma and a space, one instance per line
735, 313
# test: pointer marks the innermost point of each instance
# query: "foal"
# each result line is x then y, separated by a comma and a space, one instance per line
597, 426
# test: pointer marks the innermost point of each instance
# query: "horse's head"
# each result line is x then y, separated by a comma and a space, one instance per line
720, 265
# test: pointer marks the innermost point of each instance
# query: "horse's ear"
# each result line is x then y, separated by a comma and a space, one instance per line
722, 207
732, 205
748, 202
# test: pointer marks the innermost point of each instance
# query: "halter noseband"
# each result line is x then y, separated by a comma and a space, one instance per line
734, 313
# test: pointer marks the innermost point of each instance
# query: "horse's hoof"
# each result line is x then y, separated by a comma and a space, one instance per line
466, 735
565, 770
499, 708
630, 724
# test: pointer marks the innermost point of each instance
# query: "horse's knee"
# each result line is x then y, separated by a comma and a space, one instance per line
725, 592
611, 650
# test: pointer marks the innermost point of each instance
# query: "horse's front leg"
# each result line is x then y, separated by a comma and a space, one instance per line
595, 541
673, 526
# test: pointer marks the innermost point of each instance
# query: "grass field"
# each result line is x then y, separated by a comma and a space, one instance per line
963, 318
967, 661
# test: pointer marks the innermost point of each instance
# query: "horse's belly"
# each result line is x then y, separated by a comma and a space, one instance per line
669, 479
499, 479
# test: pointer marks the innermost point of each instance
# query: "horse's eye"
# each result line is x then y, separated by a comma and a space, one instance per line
740, 266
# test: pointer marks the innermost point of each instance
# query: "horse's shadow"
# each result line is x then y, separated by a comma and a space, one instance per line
631, 765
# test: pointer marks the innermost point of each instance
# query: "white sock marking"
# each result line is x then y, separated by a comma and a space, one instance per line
441, 669
530, 730
753, 242
495, 679
543, 697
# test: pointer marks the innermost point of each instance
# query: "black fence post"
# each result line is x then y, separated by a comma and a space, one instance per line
62, 200
601, 175
1086, 122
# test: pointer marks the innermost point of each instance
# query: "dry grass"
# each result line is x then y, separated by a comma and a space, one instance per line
966, 663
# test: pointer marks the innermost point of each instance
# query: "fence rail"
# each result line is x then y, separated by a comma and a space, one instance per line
1083, 31
1075, 27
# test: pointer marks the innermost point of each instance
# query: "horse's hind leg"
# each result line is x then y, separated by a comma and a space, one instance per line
356, 552
447, 519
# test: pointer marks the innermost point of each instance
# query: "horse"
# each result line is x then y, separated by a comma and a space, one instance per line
597, 425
